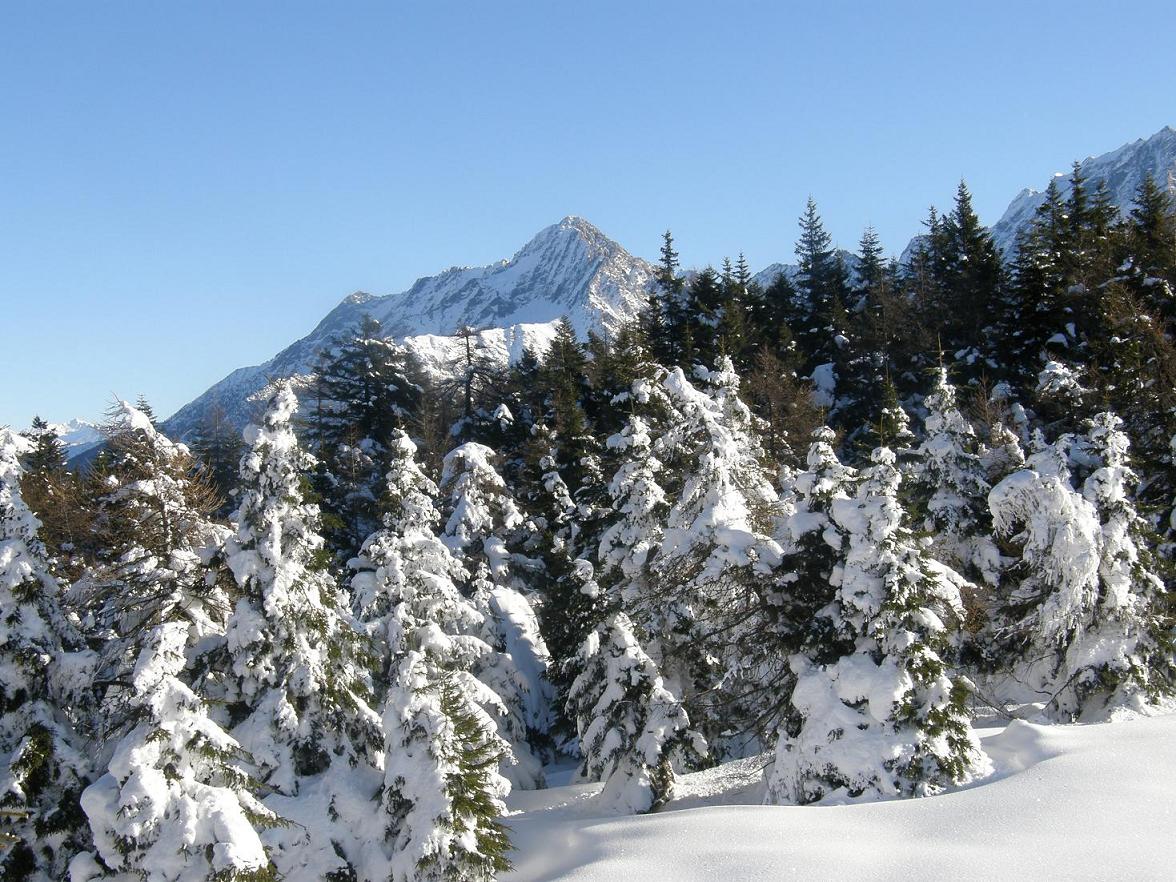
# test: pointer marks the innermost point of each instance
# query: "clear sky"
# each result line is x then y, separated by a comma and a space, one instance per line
187, 187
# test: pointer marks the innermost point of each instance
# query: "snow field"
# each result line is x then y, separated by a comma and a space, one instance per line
1064, 802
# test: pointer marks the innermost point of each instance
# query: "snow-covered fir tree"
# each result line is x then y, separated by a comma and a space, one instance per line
790, 617
483, 518
44, 673
630, 726
405, 575
443, 794
950, 486
714, 553
567, 601
173, 805
154, 517
406, 593
1081, 624
295, 674
639, 507
886, 718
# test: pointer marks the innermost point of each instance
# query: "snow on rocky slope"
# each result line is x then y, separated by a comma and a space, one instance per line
78, 436
1065, 802
1123, 170
569, 269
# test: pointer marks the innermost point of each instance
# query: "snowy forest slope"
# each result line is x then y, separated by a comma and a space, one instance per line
572, 269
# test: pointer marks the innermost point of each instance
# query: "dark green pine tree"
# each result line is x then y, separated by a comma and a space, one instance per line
973, 277
525, 388
1151, 246
923, 276
218, 446
867, 357
871, 265
565, 376
705, 298
733, 334
1035, 308
362, 395
823, 287
1134, 353
614, 363
666, 321
772, 314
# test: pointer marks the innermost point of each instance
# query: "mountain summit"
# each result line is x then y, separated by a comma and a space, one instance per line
568, 269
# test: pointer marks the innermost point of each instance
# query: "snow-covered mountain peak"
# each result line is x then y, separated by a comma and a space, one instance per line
568, 229
569, 269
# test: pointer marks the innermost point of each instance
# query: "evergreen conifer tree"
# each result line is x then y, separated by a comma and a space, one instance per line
43, 761
217, 445
442, 790
714, 551
173, 805
1079, 622
629, 724
362, 394
480, 530
294, 677
439, 788
823, 286
950, 486
885, 718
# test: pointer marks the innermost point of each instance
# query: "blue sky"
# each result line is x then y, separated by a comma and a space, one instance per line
186, 188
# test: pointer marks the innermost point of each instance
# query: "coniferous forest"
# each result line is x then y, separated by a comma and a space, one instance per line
828, 522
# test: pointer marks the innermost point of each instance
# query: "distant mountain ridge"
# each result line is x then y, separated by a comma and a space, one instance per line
571, 268
1123, 170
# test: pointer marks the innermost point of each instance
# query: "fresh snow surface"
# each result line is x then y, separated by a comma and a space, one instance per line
1065, 802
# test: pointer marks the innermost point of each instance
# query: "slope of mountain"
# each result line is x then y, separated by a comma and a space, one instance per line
569, 269
1123, 170
78, 436
765, 277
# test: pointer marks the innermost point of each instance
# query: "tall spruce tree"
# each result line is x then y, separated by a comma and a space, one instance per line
482, 529
714, 551
295, 681
438, 789
156, 533
823, 286
972, 278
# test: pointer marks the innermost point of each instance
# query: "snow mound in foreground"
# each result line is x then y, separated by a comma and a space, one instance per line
1065, 802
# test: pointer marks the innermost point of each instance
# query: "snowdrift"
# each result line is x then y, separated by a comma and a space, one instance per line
1065, 802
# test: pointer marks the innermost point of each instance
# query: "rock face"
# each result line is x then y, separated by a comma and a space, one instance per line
1123, 170
569, 269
